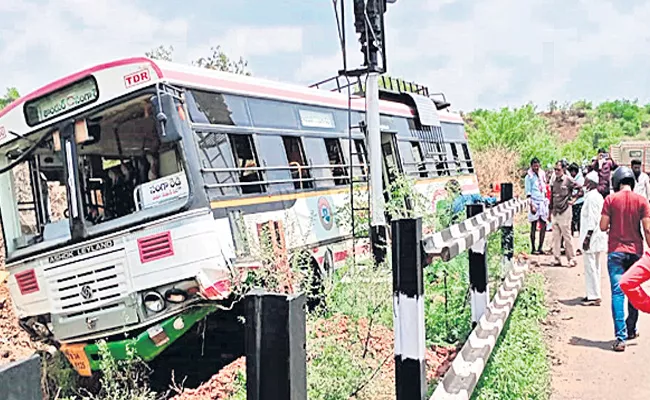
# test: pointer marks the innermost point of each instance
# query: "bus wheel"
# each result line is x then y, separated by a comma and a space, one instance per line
328, 266
314, 285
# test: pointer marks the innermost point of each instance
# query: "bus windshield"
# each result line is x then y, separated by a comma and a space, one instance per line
33, 197
124, 174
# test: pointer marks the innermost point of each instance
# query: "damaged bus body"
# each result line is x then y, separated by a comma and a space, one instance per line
132, 192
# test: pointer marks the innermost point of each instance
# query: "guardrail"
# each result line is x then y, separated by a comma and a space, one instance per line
408, 249
458, 238
462, 377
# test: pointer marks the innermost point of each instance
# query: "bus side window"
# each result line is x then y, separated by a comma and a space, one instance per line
216, 154
457, 164
335, 157
318, 161
452, 158
362, 155
468, 158
250, 176
441, 165
419, 160
300, 171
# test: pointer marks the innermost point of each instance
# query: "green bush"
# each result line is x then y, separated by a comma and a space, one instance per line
519, 129
582, 105
333, 373
119, 380
447, 282
361, 291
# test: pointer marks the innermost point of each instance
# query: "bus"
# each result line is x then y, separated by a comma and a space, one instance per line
132, 193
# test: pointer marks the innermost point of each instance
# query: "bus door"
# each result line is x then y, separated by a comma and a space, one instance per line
392, 167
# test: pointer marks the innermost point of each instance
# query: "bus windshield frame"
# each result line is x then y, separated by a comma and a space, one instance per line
110, 155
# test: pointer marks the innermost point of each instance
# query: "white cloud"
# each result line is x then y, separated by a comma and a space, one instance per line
250, 41
315, 68
70, 34
481, 53
509, 51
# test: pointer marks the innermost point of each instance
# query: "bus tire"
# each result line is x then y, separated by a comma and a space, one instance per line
328, 265
315, 285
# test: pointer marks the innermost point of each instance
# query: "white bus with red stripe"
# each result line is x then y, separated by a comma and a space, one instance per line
131, 191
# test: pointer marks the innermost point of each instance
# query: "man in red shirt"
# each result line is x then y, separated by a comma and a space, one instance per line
623, 212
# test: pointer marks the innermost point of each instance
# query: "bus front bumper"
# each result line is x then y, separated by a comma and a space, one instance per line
85, 358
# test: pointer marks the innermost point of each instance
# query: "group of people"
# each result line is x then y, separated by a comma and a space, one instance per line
608, 205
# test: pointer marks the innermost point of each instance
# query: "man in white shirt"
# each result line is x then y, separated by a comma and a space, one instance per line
642, 185
594, 240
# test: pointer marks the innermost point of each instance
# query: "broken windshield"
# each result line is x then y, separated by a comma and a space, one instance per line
33, 197
125, 175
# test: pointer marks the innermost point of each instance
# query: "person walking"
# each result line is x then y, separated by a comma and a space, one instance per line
604, 166
623, 213
561, 209
535, 185
593, 240
642, 185
574, 171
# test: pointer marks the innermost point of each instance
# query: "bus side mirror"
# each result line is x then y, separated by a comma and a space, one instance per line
169, 117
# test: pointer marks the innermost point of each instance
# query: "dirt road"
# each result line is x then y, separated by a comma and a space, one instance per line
580, 338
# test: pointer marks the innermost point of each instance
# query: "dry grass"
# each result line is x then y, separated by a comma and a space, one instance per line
566, 124
498, 165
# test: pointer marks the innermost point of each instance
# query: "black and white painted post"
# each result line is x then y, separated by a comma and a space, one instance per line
408, 306
478, 271
507, 234
276, 363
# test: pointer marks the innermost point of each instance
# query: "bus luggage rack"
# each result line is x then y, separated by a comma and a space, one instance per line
341, 83
401, 86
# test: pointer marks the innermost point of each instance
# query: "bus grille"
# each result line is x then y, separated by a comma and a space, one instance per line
155, 247
91, 288
27, 282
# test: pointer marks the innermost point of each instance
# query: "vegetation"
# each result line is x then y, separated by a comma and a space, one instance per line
217, 59
529, 132
10, 95
119, 380
520, 129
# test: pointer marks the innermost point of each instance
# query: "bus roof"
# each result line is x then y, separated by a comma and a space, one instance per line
117, 78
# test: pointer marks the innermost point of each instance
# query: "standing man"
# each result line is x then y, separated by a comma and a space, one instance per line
561, 208
642, 185
623, 212
604, 166
594, 241
535, 184
574, 171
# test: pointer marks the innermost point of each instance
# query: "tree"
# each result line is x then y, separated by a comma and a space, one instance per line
220, 61
9, 97
161, 53
217, 60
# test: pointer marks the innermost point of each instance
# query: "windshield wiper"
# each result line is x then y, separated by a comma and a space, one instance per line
19, 136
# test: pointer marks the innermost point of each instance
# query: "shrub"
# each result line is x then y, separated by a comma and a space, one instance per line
518, 129
119, 380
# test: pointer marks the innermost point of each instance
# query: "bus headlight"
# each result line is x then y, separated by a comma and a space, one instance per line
176, 295
153, 302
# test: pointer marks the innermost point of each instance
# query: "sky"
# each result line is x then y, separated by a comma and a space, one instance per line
481, 54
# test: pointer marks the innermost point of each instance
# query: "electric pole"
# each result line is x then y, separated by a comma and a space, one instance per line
369, 24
